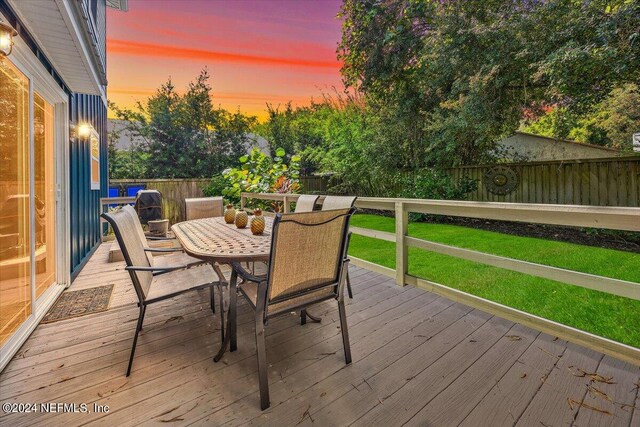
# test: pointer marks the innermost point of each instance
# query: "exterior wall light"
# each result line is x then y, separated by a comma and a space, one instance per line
82, 130
7, 33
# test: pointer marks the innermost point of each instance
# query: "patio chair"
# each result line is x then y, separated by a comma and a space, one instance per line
306, 266
153, 283
305, 203
203, 207
341, 202
338, 202
171, 256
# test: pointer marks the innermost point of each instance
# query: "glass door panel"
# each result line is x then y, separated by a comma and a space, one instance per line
45, 202
15, 239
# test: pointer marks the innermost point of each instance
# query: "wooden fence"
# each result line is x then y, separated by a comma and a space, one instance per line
174, 191
615, 218
314, 184
592, 182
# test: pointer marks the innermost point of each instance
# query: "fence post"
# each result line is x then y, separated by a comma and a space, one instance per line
242, 201
402, 260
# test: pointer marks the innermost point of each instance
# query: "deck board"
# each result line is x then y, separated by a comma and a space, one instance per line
451, 405
514, 391
417, 358
557, 401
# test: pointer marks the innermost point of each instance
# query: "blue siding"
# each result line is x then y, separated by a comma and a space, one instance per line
85, 203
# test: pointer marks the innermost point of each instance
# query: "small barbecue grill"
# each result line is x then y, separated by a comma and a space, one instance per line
149, 205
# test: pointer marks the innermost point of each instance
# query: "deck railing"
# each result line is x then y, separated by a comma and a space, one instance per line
614, 218
105, 203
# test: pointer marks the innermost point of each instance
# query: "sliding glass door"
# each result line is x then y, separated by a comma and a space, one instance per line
27, 198
44, 203
15, 236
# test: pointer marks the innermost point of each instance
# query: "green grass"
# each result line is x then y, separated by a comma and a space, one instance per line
603, 314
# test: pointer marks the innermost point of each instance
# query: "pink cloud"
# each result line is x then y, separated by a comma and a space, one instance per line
126, 47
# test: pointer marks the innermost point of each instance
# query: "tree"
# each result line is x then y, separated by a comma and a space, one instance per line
611, 122
296, 130
125, 164
185, 136
448, 78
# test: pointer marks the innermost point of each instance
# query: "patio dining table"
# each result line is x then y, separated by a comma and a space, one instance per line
215, 241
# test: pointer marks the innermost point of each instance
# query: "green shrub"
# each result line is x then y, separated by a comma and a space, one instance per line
216, 187
433, 184
259, 173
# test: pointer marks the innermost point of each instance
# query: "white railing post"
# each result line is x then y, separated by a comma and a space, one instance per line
402, 259
287, 206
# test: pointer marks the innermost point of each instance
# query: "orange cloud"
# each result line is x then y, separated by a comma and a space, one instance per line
166, 51
146, 92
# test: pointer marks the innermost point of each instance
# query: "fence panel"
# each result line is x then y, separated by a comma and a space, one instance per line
592, 182
314, 184
174, 191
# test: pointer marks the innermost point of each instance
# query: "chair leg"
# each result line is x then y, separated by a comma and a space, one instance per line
349, 285
213, 300
143, 309
262, 362
304, 314
345, 332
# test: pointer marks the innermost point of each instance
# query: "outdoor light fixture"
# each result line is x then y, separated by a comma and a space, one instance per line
7, 33
82, 130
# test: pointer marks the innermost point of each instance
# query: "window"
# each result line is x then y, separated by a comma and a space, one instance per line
95, 160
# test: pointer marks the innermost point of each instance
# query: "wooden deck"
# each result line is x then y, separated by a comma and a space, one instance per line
418, 359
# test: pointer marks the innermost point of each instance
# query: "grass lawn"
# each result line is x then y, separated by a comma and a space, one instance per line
606, 315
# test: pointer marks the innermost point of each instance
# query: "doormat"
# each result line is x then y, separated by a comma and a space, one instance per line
78, 303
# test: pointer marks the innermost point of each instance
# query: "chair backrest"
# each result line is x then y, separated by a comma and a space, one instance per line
140, 231
125, 229
307, 253
338, 202
203, 207
306, 203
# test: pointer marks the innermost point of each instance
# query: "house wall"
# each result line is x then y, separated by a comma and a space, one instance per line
533, 148
84, 202
97, 12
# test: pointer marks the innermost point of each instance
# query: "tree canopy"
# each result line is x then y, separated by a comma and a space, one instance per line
611, 122
451, 77
186, 136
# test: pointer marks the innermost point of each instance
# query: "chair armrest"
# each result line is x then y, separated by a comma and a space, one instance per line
160, 238
156, 270
163, 250
246, 275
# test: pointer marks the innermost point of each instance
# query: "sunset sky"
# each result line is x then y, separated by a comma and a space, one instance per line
257, 51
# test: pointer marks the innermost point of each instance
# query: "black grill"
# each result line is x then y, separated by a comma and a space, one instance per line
149, 205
